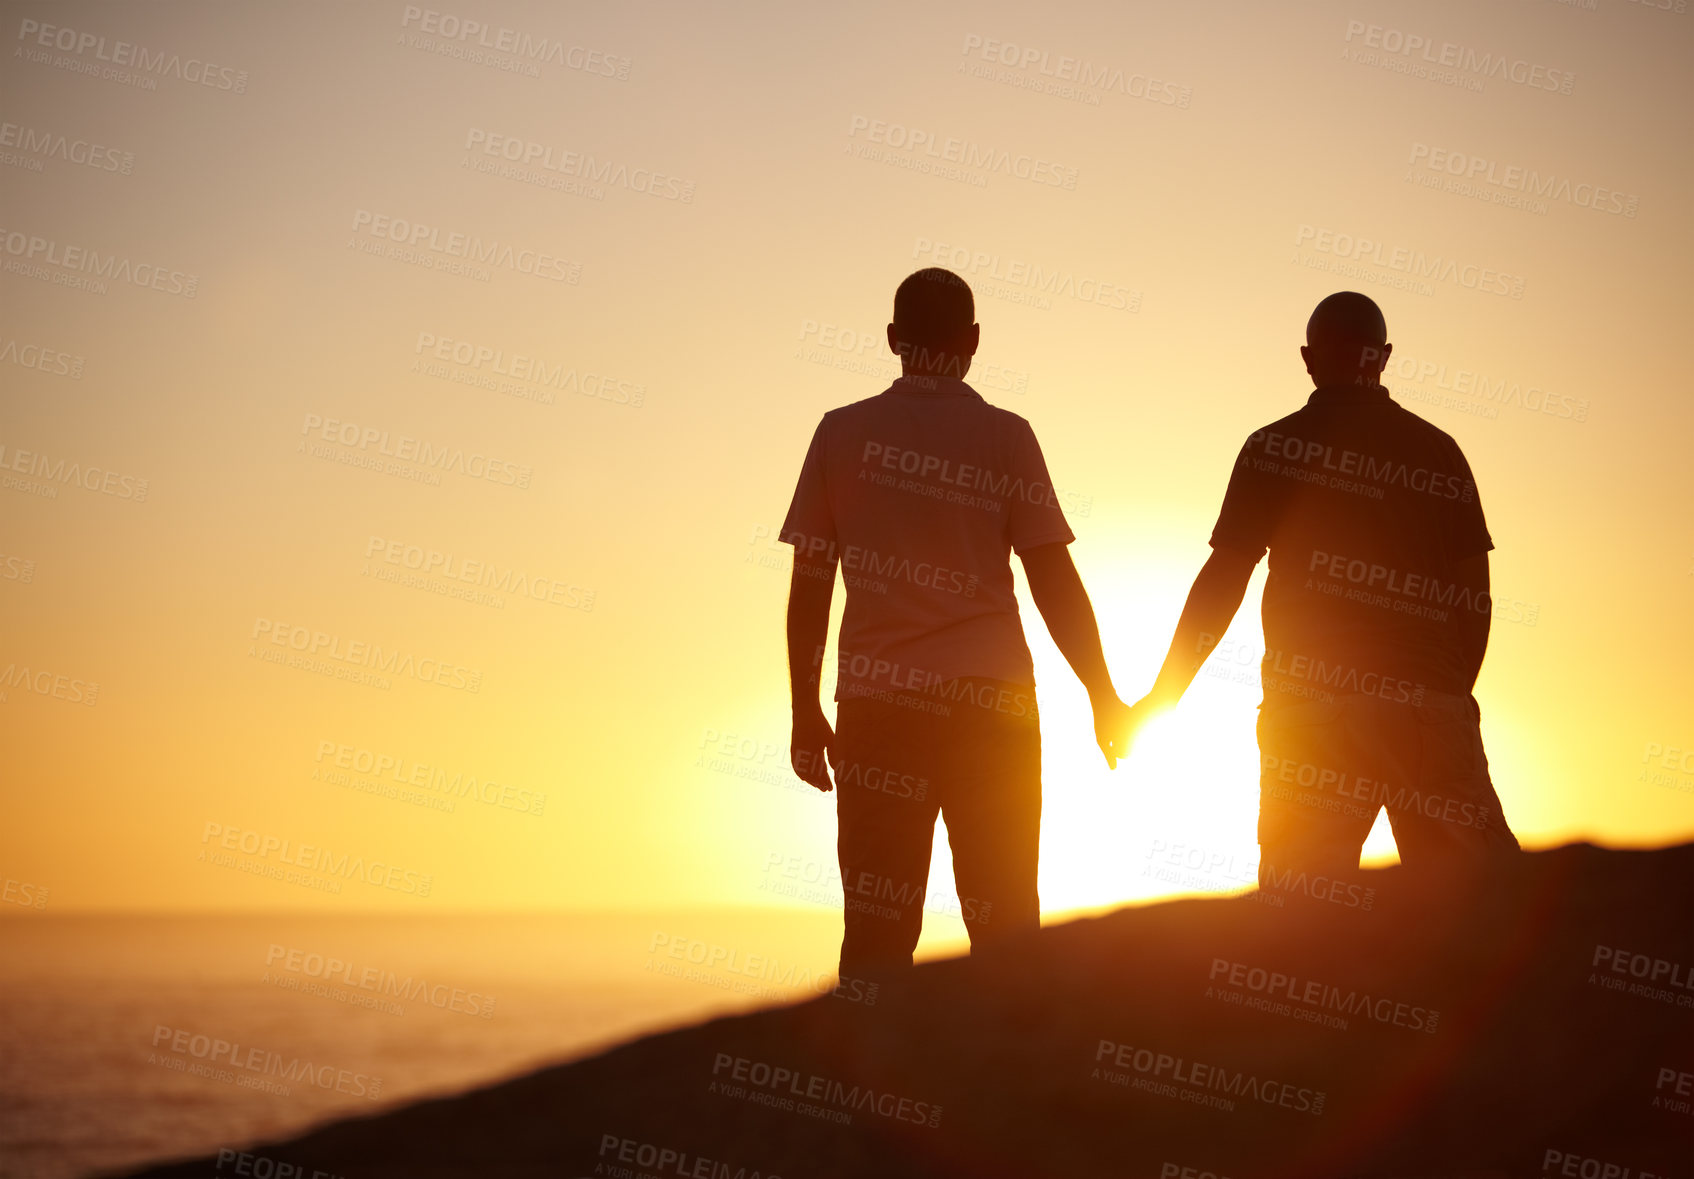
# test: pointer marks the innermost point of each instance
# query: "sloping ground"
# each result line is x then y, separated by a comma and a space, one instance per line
1380, 1030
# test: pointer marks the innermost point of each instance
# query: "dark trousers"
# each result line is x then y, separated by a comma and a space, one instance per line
969, 750
1327, 767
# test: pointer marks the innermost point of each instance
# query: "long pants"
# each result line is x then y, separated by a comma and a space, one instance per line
969, 751
1328, 766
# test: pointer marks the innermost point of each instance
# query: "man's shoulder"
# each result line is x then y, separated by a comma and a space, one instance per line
1287, 425
855, 413
887, 403
858, 408
1421, 427
1005, 416
1391, 416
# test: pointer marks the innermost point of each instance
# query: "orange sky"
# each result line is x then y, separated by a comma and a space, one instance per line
690, 222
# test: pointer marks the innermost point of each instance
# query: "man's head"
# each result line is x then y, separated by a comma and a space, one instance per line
1346, 341
934, 330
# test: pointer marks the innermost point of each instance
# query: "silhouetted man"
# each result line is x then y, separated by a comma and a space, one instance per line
921, 494
1376, 615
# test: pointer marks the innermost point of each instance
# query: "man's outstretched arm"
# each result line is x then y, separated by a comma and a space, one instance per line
1063, 602
1211, 606
810, 590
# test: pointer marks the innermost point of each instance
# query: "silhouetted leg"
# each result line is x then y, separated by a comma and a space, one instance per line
1449, 820
1314, 814
991, 802
886, 830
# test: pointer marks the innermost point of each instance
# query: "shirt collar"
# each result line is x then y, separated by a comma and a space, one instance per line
1348, 394
926, 385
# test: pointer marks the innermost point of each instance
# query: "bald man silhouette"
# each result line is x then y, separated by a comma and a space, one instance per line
1376, 614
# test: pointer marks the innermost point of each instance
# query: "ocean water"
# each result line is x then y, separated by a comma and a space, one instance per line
132, 1039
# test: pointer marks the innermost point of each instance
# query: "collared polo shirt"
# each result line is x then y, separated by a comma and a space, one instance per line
922, 493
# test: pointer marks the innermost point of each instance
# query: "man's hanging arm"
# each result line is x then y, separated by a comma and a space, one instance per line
1471, 574
810, 591
1063, 603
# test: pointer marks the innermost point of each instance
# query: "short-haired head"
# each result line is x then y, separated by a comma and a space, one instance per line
934, 329
933, 306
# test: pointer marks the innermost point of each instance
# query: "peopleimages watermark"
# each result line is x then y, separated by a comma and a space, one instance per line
36, 145
265, 1166
88, 268
375, 443
23, 894
1447, 62
458, 576
317, 645
1671, 766
1407, 268
141, 67
1027, 67
1305, 675
1310, 1000
1570, 1165
1342, 792
726, 752
499, 47
923, 689
1680, 1082
526, 377
794, 1091
1416, 595
1318, 461
55, 685
252, 1067
16, 568
760, 976
1187, 1171
820, 881
1316, 886
312, 972
50, 361
1513, 185
1029, 283
450, 786
273, 855
922, 149
868, 570
1478, 391
960, 484
436, 248
1214, 1086
852, 350
62, 473
866, 352
512, 157
666, 1161
1197, 868
1645, 976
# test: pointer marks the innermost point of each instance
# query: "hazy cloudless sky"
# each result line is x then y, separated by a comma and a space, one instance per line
689, 260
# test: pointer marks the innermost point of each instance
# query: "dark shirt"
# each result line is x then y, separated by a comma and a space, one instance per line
1366, 508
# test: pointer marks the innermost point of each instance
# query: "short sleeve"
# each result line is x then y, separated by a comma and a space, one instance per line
1464, 530
1034, 517
1250, 507
810, 525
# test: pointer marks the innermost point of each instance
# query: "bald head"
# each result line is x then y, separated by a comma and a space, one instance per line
1346, 317
1346, 340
